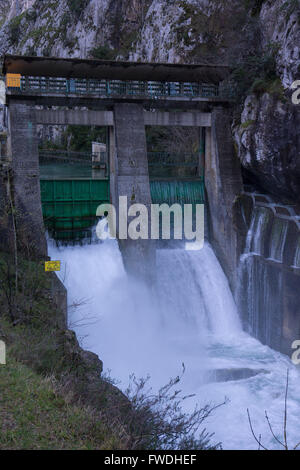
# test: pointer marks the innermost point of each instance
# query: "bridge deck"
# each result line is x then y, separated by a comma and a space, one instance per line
111, 90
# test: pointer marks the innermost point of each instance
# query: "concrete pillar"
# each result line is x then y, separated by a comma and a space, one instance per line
26, 179
201, 151
112, 162
132, 180
223, 181
208, 146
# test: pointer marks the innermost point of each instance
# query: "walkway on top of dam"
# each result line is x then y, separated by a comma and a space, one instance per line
81, 81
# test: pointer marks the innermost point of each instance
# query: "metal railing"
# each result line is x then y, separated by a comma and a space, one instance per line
67, 156
112, 88
166, 159
162, 164
155, 159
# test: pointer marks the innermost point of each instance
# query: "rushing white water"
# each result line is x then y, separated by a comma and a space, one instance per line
297, 255
191, 318
278, 237
257, 230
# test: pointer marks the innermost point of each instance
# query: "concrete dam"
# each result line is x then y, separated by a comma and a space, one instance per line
152, 306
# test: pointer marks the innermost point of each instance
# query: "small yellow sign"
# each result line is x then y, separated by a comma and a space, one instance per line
13, 80
52, 265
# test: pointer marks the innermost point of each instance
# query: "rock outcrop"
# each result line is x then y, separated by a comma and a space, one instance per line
71, 27
268, 143
267, 137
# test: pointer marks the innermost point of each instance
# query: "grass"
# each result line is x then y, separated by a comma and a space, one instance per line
33, 415
52, 394
36, 412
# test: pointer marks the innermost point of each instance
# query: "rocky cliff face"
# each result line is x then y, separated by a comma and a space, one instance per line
71, 27
268, 143
267, 138
259, 38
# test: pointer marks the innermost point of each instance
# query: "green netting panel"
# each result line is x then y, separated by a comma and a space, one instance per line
69, 206
73, 198
181, 192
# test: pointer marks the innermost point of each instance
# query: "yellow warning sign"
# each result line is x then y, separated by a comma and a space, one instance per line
52, 265
13, 80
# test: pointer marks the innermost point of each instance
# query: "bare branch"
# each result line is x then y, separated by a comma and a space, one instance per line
285, 409
271, 429
253, 433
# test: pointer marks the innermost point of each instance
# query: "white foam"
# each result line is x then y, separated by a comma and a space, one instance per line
189, 318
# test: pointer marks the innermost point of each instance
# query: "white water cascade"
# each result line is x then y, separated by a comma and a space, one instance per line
191, 318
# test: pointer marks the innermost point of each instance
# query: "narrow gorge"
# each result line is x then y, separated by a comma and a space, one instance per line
121, 74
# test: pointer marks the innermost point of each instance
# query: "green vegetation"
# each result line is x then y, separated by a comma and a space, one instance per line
31, 14
15, 28
247, 124
103, 52
258, 74
127, 19
75, 408
206, 35
80, 138
289, 7
77, 6
22, 29
273, 87
77, 139
127, 42
35, 415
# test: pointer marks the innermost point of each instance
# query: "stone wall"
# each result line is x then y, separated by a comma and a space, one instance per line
25, 179
223, 182
130, 178
268, 293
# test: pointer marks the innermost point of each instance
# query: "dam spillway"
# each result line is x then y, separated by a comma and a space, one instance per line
189, 318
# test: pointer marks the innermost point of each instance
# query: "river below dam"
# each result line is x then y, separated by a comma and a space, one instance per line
189, 318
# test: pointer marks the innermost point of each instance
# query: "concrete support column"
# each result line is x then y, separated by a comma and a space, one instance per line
208, 147
201, 151
26, 179
223, 182
113, 162
132, 180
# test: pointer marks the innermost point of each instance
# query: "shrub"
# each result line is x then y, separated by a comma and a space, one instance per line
140, 419
256, 72
77, 6
31, 14
103, 52
157, 421
81, 137
15, 29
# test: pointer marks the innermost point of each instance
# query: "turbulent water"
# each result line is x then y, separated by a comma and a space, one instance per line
190, 317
